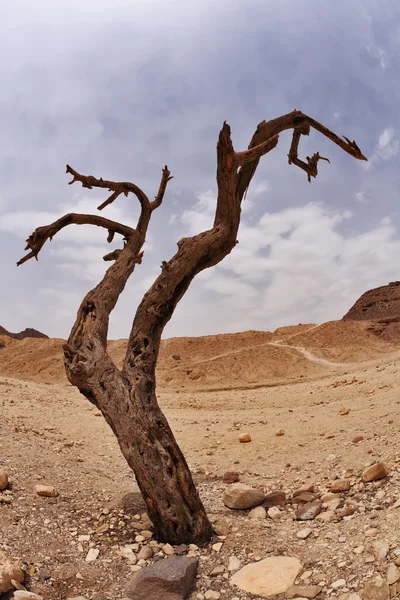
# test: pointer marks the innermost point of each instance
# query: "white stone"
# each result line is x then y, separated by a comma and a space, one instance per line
217, 547
168, 549
274, 513
233, 563
128, 554
258, 513
212, 595
268, 577
241, 496
338, 584
392, 574
380, 548
303, 534
92, 555
24, 595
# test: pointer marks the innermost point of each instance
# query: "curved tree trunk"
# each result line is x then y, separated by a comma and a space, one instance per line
127, 397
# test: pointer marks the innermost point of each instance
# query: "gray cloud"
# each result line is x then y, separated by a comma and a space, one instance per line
118, 89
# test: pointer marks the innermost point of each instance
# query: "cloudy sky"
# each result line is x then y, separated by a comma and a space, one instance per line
119, 89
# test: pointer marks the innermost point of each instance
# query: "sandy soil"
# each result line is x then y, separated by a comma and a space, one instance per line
299, 383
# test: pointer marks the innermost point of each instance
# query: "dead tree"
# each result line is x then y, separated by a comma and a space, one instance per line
127, 397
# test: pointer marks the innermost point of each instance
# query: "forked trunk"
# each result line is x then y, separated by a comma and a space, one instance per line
130, 407
127, 397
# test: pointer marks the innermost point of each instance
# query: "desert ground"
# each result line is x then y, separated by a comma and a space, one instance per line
321, 404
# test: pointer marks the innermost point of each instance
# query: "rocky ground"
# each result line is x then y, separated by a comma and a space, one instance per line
90, 536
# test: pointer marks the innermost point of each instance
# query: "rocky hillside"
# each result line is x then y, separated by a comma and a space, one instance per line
380, 306
26, 333
226, 361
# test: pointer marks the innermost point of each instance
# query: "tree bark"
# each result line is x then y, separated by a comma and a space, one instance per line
127, 397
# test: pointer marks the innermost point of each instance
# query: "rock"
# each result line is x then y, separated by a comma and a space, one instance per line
212, 595
92, 555
338, 584
221, 528
280, 432
357, 439
303, 534
392, 574
308, 511
304, 497
332, 504
145, 553
181, 549
146, 534
3, 480
277, 498
168, 550
380, 549
274, 513
240, 496
24, 595
230, 477
303, 591
375, 472
377, 589
46, 490
244, 438
233, 563
169, 579
9, 570
307, 487
326, 516
258, 513
127, 552
340, 485
217, 571
268, 577
217, 547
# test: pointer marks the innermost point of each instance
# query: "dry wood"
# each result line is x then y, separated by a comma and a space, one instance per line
127, 397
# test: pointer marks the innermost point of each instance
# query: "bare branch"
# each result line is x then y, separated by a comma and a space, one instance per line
39, 237
253, 153
301, 123
122, 187
166, 176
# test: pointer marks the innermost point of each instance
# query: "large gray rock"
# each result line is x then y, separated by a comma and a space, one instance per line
169, 579
9, 570
240, 496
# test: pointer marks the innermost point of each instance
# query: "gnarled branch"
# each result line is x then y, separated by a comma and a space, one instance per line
117, 187
301, 124
166, 176
39, 237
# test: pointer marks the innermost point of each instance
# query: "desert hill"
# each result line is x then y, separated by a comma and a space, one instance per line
226, 361
381, 306
28, 332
